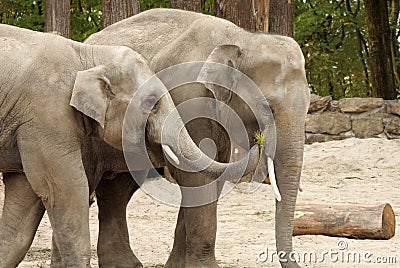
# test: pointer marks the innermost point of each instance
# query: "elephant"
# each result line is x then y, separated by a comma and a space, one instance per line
167, 37
63, 106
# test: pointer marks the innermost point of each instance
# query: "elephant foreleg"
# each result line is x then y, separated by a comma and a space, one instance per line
57, 176
194, 241
113, 247
201, 229
22, 213
195, 233
56, 260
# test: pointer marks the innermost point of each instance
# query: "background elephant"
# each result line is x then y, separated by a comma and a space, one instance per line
274, 63
62, 110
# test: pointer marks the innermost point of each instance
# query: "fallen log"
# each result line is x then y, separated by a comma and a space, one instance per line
345, 220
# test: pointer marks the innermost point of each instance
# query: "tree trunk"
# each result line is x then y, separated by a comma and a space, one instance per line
116, 10
251, 15
380, 57
191, 5
345, 220
281, 17
394, 20
57, 18
273, 16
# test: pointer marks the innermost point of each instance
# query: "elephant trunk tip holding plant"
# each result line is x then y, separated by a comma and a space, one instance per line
189, 157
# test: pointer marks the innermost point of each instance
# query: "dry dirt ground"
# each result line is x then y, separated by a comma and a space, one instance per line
349, 171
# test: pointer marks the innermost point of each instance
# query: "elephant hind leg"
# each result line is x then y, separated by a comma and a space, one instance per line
22, 213
177, 257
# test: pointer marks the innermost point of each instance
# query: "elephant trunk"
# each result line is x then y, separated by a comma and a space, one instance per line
186, 155
288, 166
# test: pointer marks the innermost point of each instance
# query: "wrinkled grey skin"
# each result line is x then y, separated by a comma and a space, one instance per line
62, 110
274, 63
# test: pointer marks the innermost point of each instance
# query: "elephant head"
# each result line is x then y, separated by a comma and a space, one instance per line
228, 85
277, 68
104, 94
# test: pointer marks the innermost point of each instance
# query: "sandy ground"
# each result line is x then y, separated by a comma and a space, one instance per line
350, 171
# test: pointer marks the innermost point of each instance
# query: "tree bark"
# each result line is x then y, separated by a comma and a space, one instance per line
380, 57
190, 5
281, 17
57, 18
116, 10
251, 15
345, 220
394, 20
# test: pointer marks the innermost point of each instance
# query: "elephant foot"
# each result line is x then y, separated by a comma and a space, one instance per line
212, 264
119, 260
175, 261
179, 262
122, 265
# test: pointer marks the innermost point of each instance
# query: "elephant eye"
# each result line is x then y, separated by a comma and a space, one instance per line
155, 106
264, 107
110, 91
150, 103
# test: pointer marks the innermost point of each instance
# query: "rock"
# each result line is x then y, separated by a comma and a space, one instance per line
318, 103
393, 106
367, 127
392, 136
392, 125
328, 122
359, 105
311, 138
334, 106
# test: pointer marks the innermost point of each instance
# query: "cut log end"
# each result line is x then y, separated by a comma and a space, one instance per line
345, 220
388, 222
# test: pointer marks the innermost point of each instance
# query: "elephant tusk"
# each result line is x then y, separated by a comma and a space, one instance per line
271, 172
301, 188
170, 153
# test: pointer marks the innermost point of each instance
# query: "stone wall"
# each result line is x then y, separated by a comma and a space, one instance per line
329, 119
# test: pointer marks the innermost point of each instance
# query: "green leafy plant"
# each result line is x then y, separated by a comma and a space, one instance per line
259, 137
332, 36
149, 4
85, 18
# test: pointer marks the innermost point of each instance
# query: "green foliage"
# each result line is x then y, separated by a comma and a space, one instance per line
22, 13
85, 14
333, 39
149, 4
259, 137
207, 7
85, 18
331, 34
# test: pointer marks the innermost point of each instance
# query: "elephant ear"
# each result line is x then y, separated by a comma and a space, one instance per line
90, 95
229, 55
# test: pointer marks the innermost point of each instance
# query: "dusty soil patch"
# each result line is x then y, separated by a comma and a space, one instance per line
350, 171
